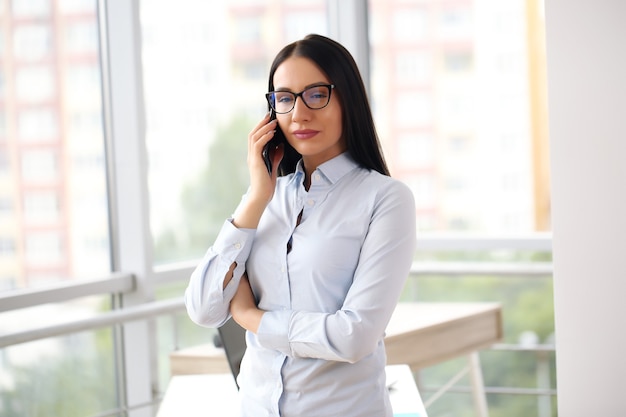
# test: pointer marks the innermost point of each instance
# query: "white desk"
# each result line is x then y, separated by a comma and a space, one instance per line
207, 395
419, 335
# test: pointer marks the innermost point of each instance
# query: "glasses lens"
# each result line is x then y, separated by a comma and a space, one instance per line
316, 97
282, 101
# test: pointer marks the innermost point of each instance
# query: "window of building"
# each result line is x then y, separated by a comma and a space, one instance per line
416, 150
82, 85
248, 29
6, 208
425, 62
456, 23
7, 247
41, 207
424, 187
30, 8
409, 25
3, 118
81, 37
43, 248
37, 125
414, 67
32, 42
458, 61
77, 6
35, 84
40, 165
413, 109
301, 23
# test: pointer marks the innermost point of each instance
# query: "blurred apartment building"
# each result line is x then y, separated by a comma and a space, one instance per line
458, 93
453, 90
453, 95
52, 207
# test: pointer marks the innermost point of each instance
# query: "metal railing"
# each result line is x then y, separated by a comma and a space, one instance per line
120, 283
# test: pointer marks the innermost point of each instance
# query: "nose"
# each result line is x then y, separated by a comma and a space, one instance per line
300, 111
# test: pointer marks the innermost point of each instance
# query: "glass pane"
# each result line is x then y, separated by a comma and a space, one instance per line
53, 204
458, 91
70, 376
205, 75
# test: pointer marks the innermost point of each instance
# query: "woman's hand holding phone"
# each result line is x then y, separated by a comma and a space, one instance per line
262, 185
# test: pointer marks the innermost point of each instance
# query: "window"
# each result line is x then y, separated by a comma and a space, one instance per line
456, 23
7, 247
409, 25
248, 29
44, 248
427, 83
414, 67
82, 85
40, 166
5, 165
37, 125
3, 119
300, 23
77, 6
458, 61
193, 137
41, 207
31, 8
424, 190
35, 84
6, 208
32, 42
416, 150
413, 109
81, 37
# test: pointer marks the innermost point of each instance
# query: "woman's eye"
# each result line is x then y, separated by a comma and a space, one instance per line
284, 99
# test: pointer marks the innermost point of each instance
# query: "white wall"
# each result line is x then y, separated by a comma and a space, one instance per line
587, 104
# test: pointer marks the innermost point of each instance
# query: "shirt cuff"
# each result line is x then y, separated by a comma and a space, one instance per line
273, 331
233, 245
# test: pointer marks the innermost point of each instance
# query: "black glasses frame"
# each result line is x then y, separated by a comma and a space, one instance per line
271, 102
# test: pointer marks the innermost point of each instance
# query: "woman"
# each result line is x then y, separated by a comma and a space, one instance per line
313, 261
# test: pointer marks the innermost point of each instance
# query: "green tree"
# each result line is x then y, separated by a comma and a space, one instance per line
212, 196
75, 381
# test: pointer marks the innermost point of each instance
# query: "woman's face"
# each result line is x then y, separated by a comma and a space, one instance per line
315, 134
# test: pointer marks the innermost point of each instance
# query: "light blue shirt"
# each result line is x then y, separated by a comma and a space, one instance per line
319, 348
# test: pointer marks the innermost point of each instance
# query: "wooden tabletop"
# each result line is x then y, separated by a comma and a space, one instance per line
423, 334
419, 335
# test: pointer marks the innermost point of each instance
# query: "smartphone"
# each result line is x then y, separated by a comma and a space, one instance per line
268, 149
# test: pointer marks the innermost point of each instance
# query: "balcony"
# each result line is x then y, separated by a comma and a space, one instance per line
90, 354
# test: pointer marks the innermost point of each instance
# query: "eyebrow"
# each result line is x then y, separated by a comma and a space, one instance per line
305, 87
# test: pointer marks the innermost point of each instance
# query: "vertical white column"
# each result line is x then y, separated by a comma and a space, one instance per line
128, 185
587, 113
348, 25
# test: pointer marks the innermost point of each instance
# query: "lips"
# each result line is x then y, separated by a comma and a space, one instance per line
305, 133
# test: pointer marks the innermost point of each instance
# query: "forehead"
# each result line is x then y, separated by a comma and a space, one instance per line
296, 73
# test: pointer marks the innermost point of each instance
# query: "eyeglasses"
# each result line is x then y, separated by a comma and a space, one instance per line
315, 98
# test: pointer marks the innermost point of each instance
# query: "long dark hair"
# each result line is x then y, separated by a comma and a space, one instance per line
358, 128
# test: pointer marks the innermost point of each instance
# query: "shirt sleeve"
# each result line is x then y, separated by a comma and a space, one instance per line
206, 299
357, 328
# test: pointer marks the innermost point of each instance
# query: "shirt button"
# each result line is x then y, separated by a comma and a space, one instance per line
237, 245
316, 177
310, 202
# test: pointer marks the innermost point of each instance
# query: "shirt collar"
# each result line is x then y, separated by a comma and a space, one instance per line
332, 169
